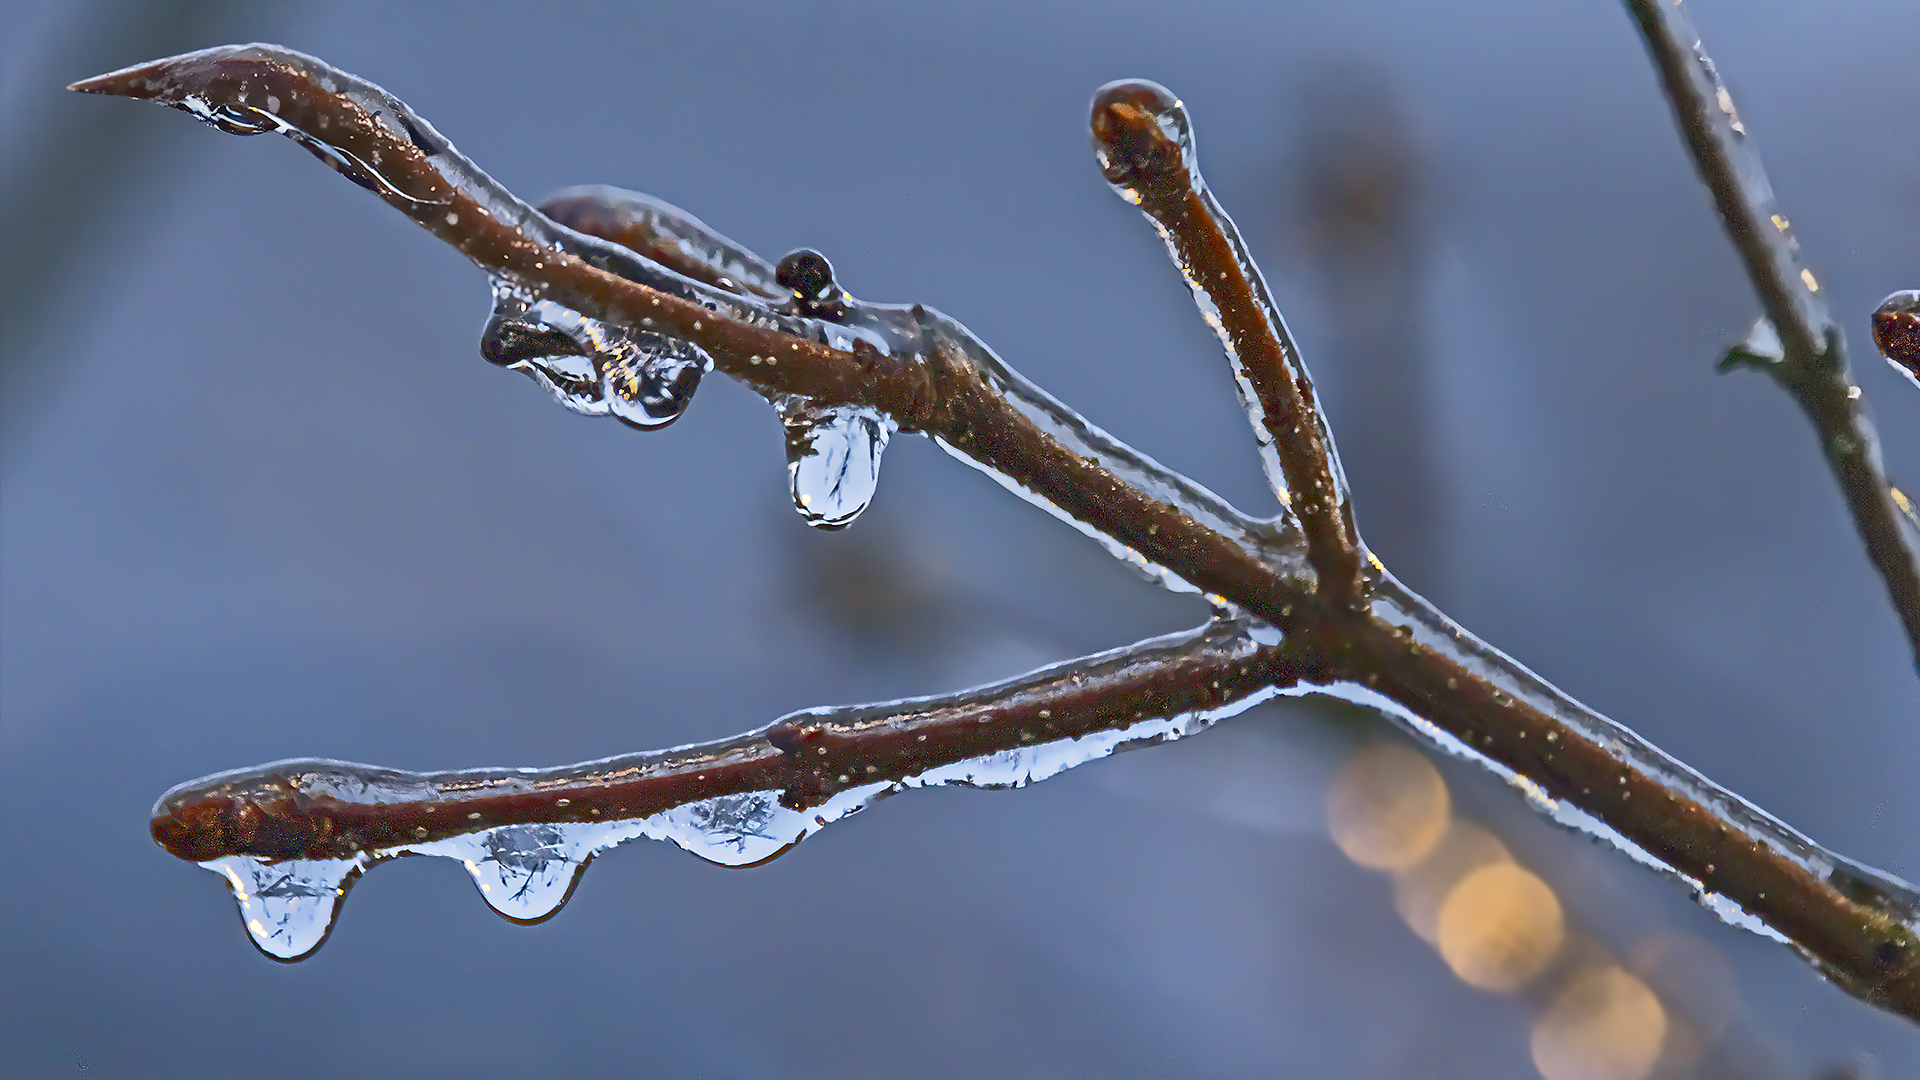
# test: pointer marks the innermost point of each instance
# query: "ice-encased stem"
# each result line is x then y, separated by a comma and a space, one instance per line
292, 836
1143, 140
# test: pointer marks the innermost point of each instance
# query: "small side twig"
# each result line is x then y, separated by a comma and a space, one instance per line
1811, 359
1144, 141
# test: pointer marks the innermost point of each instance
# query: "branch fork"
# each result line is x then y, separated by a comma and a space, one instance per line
1300, 607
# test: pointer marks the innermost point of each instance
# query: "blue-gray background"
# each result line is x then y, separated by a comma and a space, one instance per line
262, 499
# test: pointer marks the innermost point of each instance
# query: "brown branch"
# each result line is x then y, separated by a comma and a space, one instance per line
1145, 145
1812, 362
1341, 632
308, 810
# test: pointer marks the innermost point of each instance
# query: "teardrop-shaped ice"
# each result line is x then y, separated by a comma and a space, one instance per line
649, 382
288, 907
525, 872
734, 830
833, 459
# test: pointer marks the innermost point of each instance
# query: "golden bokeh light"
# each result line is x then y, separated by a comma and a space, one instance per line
1420, 889
1499, 926
1604, 1025
1387, 807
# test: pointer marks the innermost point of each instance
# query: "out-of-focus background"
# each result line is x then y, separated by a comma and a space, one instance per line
263, 499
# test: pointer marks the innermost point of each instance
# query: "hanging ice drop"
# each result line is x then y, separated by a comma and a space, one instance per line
525, 872
833, 459
288, 907
650, 381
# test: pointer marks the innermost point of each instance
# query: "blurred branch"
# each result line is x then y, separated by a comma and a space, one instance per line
1301, 607
1804, 351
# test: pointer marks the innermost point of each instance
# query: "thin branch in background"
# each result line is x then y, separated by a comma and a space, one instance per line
1297, 605
1800, 347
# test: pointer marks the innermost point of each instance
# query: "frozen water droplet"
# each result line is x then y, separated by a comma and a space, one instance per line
593, 368
809, 276
833, 459
524, 872
649, 383
288, 907
734, 830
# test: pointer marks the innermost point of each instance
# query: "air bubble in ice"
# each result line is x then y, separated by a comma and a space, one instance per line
833, 459
288, 907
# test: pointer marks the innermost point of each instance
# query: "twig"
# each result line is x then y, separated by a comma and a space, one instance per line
1156, 690
1319, 629
1144, 142
1811, 359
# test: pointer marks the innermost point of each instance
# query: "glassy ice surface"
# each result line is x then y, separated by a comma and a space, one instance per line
833, 459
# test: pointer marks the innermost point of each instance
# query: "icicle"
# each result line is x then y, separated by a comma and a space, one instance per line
833, 459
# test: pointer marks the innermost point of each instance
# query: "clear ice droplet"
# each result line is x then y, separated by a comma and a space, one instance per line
833, 459
288, 907
526, 873
649, 384
734, 830
644, 379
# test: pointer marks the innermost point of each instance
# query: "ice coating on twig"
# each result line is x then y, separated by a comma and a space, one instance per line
1143, 141
291, 837
1639, 761
658, 230
422, 175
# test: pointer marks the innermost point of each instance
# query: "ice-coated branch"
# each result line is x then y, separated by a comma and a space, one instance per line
527, 834
1798, 344
1144, 142
614, 330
